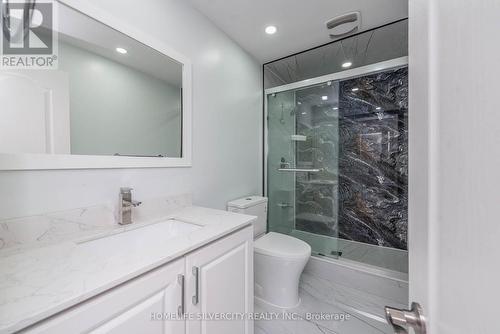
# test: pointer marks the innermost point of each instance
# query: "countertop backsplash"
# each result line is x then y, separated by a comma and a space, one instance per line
42, 229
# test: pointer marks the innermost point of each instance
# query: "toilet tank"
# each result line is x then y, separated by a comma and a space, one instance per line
254, 206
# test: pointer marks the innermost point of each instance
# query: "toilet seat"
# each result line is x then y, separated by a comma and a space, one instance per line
282, 246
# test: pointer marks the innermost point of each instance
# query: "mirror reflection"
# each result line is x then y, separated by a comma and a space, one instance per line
110, 95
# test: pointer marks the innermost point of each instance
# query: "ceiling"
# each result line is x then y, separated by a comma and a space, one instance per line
301, 23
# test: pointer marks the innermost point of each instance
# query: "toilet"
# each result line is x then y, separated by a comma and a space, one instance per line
279, 259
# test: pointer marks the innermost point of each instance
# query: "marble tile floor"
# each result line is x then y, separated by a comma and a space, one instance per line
363, 312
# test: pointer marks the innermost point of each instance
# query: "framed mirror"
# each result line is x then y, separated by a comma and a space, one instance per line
117, 98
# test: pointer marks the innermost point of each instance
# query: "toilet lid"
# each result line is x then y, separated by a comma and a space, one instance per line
281, 245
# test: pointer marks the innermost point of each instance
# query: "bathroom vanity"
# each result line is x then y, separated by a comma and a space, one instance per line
140, 278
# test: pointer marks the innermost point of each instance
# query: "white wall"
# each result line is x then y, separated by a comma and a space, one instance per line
227, 125
119, 109
455, 179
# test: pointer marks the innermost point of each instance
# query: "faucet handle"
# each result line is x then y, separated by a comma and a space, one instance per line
125, 190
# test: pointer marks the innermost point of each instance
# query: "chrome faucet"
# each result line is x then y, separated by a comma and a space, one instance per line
125, 206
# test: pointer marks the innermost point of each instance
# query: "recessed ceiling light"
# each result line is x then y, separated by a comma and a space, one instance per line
121, 50
324, 97
379, 108
270, 30
304, 113
347, 64
355, 89
299, 103
335, 108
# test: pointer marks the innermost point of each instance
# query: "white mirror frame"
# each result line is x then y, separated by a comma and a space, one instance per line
66, 161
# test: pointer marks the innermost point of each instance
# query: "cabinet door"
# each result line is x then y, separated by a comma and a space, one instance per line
219, 282
134, 307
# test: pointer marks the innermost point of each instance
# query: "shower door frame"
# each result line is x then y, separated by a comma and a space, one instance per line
337, 76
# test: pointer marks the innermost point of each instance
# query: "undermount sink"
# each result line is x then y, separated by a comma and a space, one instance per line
142, 236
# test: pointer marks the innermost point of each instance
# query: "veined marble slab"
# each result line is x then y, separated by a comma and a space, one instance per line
49, 228
306, 318
40, 230
334, 294
37, 282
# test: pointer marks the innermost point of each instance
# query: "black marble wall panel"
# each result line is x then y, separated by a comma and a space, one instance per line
373, 159
358, 138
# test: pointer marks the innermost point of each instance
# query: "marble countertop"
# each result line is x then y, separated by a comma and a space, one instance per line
37, 282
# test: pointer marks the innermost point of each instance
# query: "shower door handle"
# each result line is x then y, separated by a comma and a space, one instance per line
403, 320
299, 170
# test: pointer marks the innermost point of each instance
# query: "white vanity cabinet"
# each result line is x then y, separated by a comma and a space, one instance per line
223, 282
127, 308
219, 283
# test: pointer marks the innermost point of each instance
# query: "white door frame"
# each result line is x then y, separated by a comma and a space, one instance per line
423, 159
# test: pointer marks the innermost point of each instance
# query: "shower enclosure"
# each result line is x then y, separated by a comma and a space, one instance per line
336, 162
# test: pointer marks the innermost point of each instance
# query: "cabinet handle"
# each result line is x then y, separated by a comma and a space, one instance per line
181, 308
196, 297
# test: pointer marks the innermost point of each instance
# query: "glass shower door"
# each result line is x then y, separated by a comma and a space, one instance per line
337, 162
302, 162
